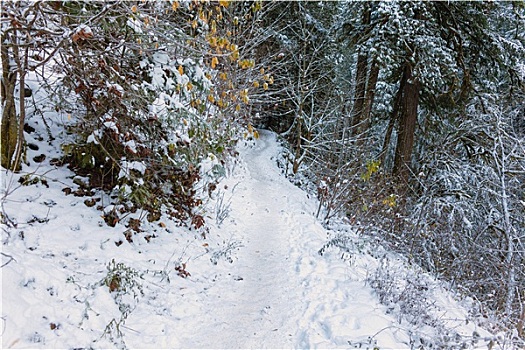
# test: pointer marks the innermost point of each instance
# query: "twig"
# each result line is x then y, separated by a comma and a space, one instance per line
10, 259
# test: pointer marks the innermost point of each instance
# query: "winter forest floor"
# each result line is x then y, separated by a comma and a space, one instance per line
256, 280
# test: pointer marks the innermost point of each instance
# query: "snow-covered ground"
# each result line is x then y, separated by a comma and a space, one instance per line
256, 280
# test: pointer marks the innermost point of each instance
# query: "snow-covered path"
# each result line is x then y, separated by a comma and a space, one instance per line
263, 308
284, 294
257, 280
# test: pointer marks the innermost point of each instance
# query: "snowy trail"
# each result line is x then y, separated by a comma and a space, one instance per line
276, 292
262, 309
283, 291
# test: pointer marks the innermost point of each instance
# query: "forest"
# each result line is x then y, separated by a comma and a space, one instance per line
407, 118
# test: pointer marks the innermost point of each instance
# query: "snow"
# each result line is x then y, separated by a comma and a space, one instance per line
257, 280
126, 168
135, 25
84, 28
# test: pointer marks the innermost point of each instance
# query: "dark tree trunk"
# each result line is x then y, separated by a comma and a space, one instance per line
408, 105
393, 119
369, 101
9, 126
360, 89
360, 80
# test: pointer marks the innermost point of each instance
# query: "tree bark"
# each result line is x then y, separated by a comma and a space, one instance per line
22, 62
360, 89
409, 101
360, 80
393, 118
9, 126
369, 101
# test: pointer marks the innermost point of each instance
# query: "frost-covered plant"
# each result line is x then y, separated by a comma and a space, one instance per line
123, 280
222, 208
225, 252
157, 102
407, 295
124, 284
467, 218
344, 243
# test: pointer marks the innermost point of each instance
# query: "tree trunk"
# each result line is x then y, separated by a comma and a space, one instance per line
369, 101
360, 88
360, 80
22, 64
510, 232
393, 119
9, 126
386, 141
298, 146
409, 101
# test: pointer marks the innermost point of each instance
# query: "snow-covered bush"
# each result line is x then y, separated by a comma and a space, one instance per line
162, 88
409, 294
469, 213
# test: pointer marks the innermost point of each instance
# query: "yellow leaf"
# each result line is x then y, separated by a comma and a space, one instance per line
224, 3
256, 84
235, 55
181, 70
390, 201
214, 62
256, 134
196, 103
139, 41
223, 76
250, 128
262, 70
265, 86
134, 8
175, 5
189, 86
213, 41
238, 108
211, 98
224, 43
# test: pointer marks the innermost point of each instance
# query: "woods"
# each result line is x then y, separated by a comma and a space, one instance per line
408, 117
